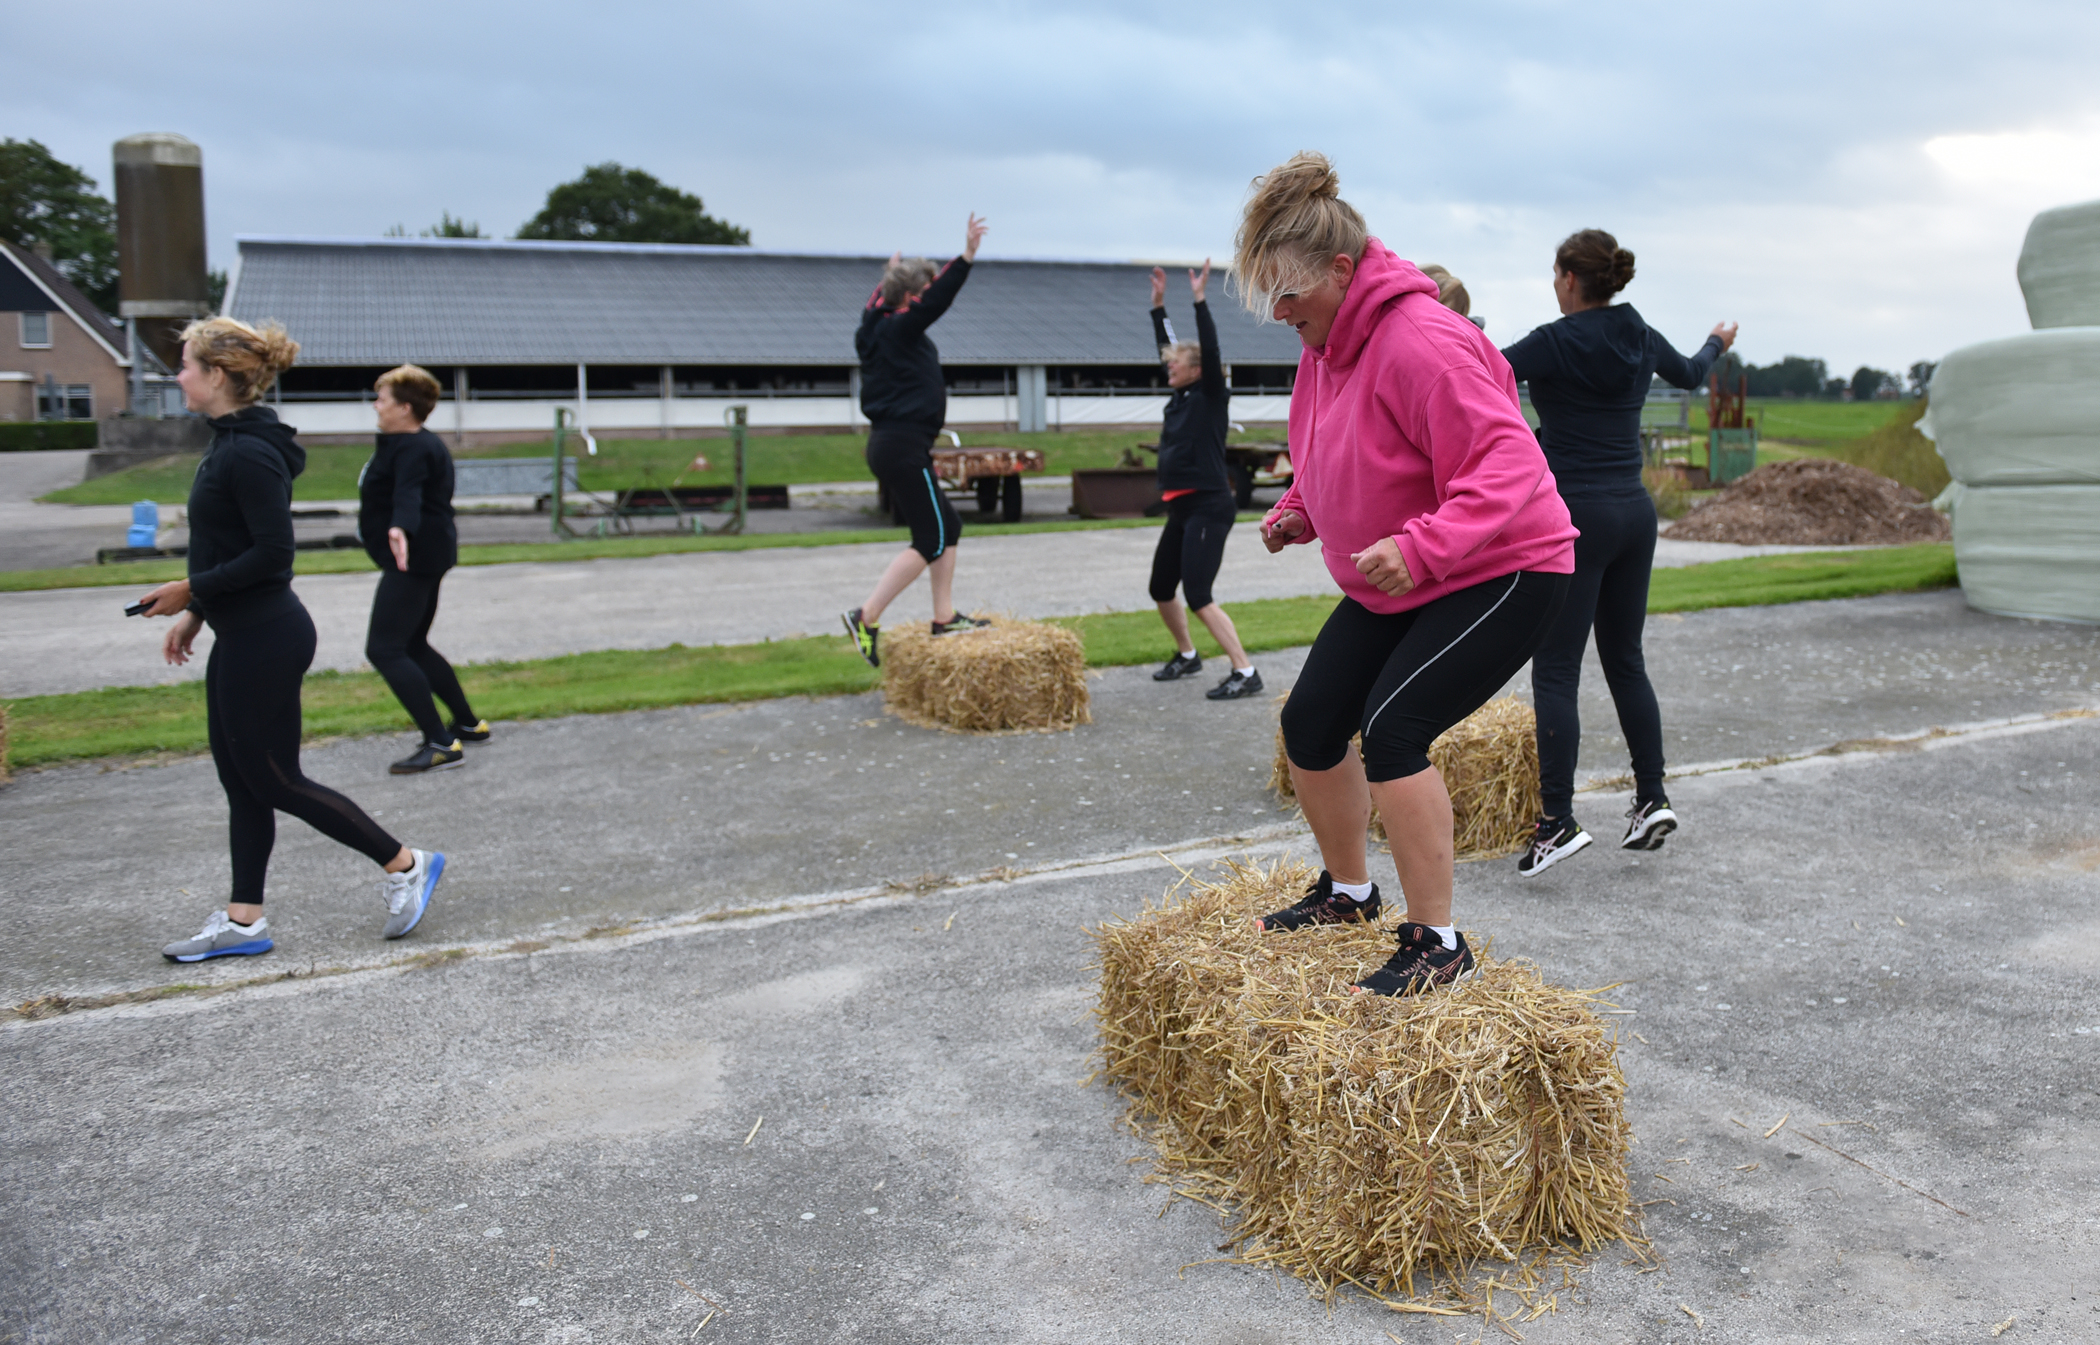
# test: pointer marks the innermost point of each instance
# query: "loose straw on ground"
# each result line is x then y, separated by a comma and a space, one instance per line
1490, 765
1010, 676
1361, 1139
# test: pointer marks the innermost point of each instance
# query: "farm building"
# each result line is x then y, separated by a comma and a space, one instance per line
61, 358
640, 340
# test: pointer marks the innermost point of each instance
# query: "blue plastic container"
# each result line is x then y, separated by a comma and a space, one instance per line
145, 524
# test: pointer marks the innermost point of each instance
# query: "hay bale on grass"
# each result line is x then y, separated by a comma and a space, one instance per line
1007, 677
1490, 764
1358, 1138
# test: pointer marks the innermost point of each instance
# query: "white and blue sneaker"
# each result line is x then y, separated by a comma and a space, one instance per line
408, 892
220, 937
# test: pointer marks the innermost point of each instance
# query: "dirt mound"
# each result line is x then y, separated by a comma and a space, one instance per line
1812, 502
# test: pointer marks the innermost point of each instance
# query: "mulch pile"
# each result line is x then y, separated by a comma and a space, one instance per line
1813, 502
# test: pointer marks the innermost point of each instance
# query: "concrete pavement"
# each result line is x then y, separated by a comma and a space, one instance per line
557, 1135
77, 639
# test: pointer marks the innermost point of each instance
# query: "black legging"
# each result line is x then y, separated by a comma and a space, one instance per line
1612, 560
902, 460
398, 644
251, 694
1401, 679
1192, 546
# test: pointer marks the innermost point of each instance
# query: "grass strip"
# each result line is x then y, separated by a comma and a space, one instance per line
120, 721
146, 573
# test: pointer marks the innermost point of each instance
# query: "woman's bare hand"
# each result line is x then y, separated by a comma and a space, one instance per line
1279, 531
168, 599
1726, 331
1385, 567
975, 236
397, 542
175, 645
1199, 283
1159, 287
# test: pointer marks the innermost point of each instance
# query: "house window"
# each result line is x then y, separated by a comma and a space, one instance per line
36, 331
65, 401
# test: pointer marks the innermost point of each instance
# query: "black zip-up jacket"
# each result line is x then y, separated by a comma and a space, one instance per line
900, 367
1192, 434
1589, 375
240, 518
408, 485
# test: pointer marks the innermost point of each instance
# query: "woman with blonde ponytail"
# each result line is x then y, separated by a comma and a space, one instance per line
1438, 518
240, 584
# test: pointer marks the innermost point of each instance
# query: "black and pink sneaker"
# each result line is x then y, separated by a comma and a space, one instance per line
1321, 905
1421, 965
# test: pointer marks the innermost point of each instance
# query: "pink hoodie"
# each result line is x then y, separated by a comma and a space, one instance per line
1406, 425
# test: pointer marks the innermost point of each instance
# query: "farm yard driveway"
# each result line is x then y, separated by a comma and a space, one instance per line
857, 1112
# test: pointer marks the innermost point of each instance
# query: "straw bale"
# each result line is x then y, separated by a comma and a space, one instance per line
1010, 676
1358, 1138
1490, 765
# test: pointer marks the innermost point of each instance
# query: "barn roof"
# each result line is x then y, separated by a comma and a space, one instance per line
364, 302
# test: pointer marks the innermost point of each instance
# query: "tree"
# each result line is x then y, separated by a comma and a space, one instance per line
611, 203
1921, 376
1793, 376
1867, 383
45, 201
448, 227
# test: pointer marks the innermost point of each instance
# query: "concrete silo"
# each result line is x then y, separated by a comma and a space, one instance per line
163, 282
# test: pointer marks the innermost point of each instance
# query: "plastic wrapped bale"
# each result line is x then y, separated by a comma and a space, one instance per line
1490, 765
1359, 1138
1009, 676
2060, 267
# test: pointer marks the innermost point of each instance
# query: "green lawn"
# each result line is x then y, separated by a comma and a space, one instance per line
772, 459
1814, 423
147, 572
126, 720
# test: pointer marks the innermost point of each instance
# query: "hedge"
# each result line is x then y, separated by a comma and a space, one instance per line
24, 435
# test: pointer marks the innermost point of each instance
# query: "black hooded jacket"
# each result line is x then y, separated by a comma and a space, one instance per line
1589, 375
408, 485
240, 518
900, 367
1192, 433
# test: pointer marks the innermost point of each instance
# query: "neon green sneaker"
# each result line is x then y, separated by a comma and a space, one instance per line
864, 637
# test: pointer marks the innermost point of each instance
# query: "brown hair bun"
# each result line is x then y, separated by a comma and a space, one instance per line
1595, 258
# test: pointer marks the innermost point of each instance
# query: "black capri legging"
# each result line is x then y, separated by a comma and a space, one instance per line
1192, 546
1402, 679
902, 459
251, 693
398, 644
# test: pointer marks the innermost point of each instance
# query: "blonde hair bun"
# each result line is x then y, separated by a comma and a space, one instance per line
1295, 224
250, 357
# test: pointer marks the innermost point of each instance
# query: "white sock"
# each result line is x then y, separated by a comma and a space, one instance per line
1354, 891
1188, 653
249, 928
1448, 933
1247, 671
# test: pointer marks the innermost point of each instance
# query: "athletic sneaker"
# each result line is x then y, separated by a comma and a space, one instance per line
407, 893
960, 621
1239, 684
220, 937
864, 637
1423, 963
476, 732
429, 757
1551, 842
1179, 666
1647, 824
1321, 905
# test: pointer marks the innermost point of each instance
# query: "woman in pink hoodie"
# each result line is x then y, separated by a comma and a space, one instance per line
1439, 519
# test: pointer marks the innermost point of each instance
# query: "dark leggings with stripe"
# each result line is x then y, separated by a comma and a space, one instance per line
251, 697
1401, 679
902, 459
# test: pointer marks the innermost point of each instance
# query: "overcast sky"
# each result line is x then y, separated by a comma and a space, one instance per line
1848, 181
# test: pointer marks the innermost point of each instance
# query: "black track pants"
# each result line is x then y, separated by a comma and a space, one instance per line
902, 459
398, 645
251, 693
1402, 679
1192, 546
1612, 560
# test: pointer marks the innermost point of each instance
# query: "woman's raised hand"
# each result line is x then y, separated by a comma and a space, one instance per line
1159, 287
1726, 331
1199, 283
1277, 532
974, 237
